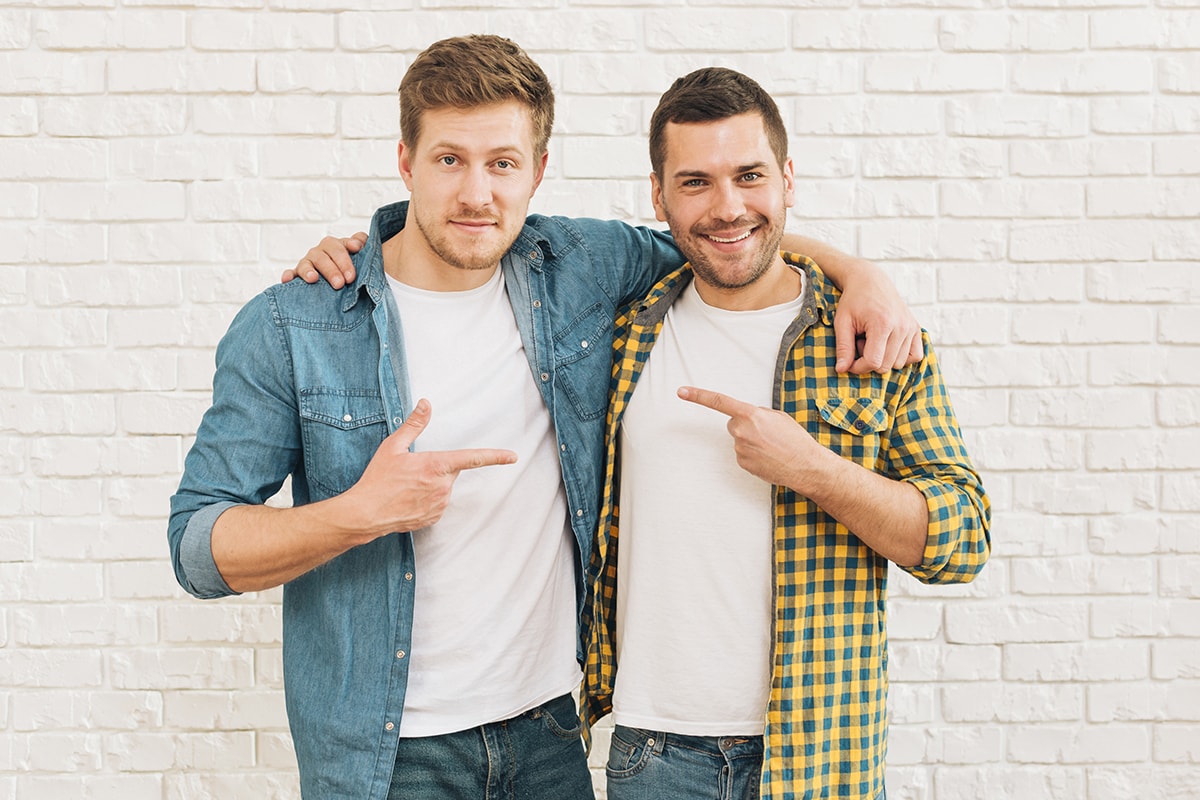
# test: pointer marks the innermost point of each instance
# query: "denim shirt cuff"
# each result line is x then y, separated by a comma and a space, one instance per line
195, 552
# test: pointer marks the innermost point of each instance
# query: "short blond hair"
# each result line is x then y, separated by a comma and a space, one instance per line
473, 71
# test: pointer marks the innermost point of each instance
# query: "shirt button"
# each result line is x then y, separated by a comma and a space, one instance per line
562, 447
545, 377
397, 421
579, 512
347, 418
533, 254
584, 343
859, 425
537, 303
400, 654
389, 727
408, 576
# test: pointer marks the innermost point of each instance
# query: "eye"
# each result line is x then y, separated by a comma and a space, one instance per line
750, 177
504, 163
692, 183
448, 161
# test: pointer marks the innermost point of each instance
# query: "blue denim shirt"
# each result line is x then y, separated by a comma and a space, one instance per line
309, 381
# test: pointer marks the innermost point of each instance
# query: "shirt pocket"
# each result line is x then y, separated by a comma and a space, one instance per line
854, 425
583, 361
342, 429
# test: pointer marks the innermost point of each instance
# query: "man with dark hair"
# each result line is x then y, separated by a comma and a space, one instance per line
430, 644
740, 636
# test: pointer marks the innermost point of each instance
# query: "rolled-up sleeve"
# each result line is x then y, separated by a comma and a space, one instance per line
247, 444
927, 451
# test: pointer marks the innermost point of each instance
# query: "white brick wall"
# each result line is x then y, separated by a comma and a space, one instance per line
1029, 171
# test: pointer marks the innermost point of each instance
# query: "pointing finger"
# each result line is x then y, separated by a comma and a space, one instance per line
715, 400
474, 458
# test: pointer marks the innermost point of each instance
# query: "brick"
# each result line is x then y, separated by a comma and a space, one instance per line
1008, 449
16, 544
1028, 116
41, 160
124, 201
824, 30
974, 72
1177, 407
1154, 702
275, 751
146, 413
82, 625
89, 710
1107, 744
1077, 661
223, 623
1076, 74
295, 114
1016, 282
257, 31
1008, 780
1121, 240
113, 115
156, 752
59, 414
1134, 534
599, 156
218, 711
1094, 494
18, 117
1012, 366
1084, 325
1012, 703
320, 158
889, 115
1181, 492
50, 327
197, 159
1130, 366
279, 201
143, 580
715, 30
358, 73
1176, 114
921, 158
1007, 32
283, 785
33, 72
82, 371
1176, 158
1075, 576
1171, 283
1046, 622
62, 667
1040, 535
1176, 72
15, 28
1128, 114
910, 703
110, 30
104, 285
374, 117
93, 786
1176, 241
174, 243
194, 73
1157, 783
181, 668
945, 662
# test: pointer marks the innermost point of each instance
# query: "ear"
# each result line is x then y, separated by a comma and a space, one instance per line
541, 172
789, 184
660, 212
404, 162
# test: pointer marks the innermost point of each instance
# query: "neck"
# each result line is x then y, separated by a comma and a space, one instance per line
408, 258
779, 284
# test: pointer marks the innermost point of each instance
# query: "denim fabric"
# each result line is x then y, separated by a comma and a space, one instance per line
652, 765
309, 381
535, 756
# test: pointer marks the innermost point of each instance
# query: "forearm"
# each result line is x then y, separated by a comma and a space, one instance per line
259, 547
889, 516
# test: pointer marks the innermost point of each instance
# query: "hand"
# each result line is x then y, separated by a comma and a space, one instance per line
767, 443
875, 329
404, 491
329, 260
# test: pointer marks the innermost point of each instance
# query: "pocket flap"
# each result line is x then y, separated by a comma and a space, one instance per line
858, 415
342, 408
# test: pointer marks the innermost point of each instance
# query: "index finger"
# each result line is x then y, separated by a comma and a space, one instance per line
716, 401
476, 457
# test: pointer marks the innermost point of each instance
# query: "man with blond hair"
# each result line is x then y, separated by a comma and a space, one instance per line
430, 641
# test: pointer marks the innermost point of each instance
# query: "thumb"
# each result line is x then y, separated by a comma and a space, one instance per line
844, 336
417, 421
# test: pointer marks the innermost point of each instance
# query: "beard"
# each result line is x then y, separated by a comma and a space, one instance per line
478, 255
733, 270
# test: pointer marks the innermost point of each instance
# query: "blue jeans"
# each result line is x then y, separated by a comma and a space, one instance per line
651, 765
537, 755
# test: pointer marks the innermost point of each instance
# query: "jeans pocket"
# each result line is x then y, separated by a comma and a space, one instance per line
630, 751
566, 725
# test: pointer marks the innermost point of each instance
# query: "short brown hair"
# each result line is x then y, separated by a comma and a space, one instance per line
472, 71
711, 94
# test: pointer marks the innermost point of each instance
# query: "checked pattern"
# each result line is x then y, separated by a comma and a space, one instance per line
826, 731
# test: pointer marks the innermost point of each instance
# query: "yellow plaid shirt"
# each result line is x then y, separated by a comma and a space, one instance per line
826, 722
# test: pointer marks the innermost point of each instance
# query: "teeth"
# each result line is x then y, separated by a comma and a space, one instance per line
730, 241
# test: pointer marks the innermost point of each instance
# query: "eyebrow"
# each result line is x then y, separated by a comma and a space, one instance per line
503, 149
699, 173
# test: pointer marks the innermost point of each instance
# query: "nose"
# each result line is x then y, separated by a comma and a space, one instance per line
476, 188
728, 204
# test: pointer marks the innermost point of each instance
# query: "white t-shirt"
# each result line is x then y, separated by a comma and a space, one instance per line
494, 616
694, 594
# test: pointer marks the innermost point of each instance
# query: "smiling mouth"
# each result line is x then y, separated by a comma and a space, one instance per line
722, 240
